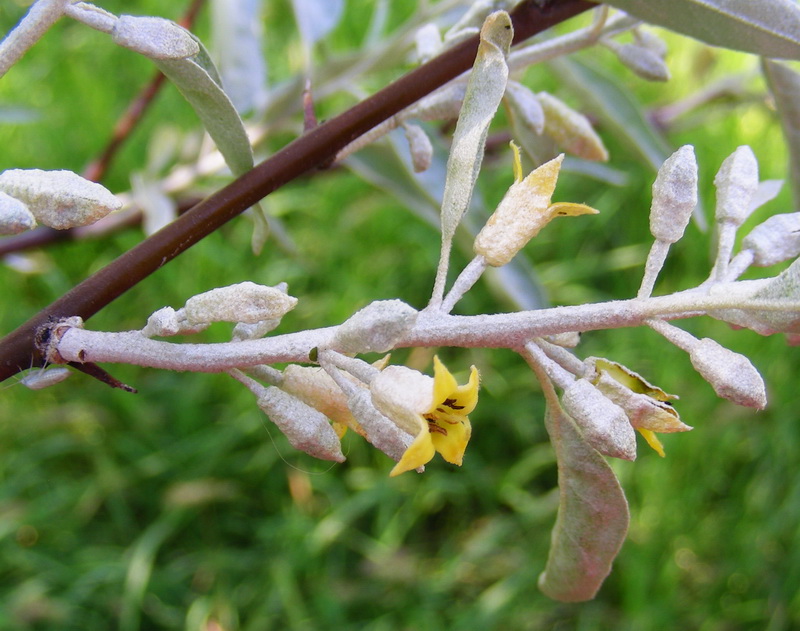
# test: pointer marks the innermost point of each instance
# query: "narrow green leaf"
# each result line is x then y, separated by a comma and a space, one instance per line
592, 516
197, 80
784, 83
770, 28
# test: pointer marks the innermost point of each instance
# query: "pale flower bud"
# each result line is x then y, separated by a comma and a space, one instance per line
420, 147
307, 429
674, 195
522, 213
604, 425
737, 183
14, 216
649, 40
59, 199
316, 388
775, 240
403, 395
244, 302
525, 106
378, 429
571, 130
162, 323
377, 328
642, 61
731, 375
154, 37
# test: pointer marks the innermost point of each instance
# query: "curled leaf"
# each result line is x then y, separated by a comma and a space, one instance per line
486, 86
592, 516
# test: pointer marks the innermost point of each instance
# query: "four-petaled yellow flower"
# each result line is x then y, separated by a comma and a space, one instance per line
434, 411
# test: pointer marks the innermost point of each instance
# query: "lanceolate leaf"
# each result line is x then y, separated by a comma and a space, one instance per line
766, 27
592, 516
198, 81
486, 87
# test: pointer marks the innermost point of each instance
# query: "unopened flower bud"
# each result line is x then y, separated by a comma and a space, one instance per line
162, 323
642, 61
59, 199
244, 302
316, 388
571, 130
154, 37
649, 40
674, 195
731, 375
307, 429
525, 106
604, 425
522, 213
403, 395
14, 216
379, 430
737, 183
420, 146
377, 328
775, 240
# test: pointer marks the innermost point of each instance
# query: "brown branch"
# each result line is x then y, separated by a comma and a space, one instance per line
315, 148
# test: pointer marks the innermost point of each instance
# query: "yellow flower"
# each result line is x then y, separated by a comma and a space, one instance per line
435, 411
646, 405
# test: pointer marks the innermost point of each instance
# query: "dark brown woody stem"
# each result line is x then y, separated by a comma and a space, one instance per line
309, 151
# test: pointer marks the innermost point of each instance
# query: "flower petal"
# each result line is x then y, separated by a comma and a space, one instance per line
419, 453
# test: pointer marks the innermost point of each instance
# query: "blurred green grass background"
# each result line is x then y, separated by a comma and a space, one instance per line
182, 506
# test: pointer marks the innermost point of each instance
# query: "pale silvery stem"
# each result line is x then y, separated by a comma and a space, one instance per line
361, 370
739, 265
562, 356
655, 261
534, 356
466, 279
267, 373
570, 43
92, 16
555, 373
40, 17
505, 330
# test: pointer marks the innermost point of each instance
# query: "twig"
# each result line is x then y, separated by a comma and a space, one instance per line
315, 148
